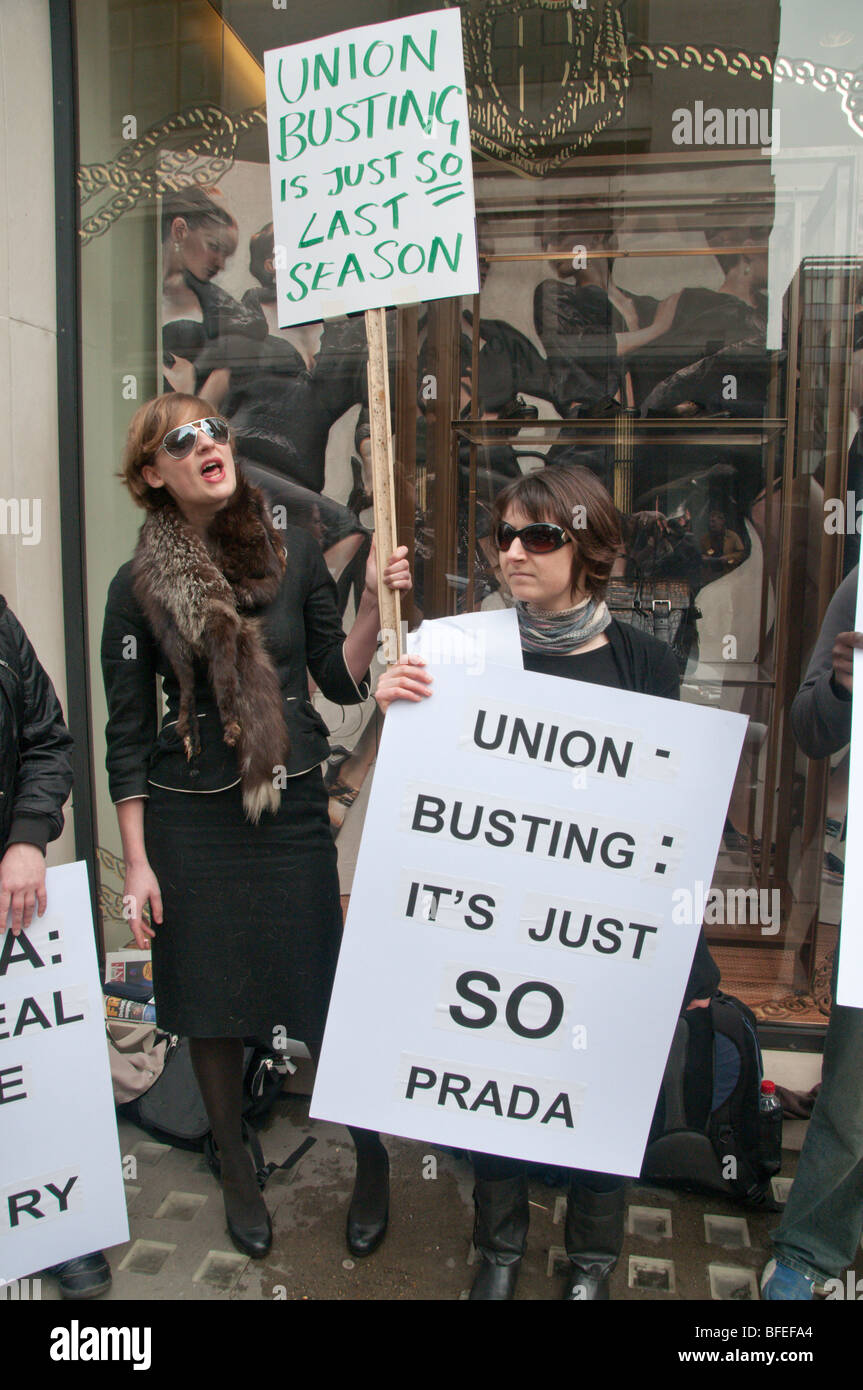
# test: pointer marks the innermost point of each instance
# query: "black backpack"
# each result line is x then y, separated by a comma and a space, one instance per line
707, 1130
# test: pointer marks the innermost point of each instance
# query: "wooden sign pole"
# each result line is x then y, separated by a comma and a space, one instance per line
383, 481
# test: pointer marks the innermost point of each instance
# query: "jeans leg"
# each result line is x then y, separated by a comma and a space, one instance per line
821, 1226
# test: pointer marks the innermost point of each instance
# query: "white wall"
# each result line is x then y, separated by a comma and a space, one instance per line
30, 573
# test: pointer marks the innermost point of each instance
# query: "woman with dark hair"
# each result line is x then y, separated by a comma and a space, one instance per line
205, 331
558, 535
222, 810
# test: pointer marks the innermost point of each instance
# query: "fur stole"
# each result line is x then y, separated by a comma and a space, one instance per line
197, 599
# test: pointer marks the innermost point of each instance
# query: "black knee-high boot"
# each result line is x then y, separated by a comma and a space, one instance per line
370, 1205
500, 1235
593, 1237
218, 1064
500, 1226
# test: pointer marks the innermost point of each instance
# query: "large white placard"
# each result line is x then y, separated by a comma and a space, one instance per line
61, 1180
849, 980
370, 167
514, 957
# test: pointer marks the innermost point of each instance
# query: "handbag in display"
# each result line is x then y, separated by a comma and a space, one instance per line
662, 607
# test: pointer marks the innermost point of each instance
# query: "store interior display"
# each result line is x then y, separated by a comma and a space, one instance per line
680, 315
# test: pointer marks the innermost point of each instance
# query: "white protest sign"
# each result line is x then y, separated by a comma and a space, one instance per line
849, 979
370, 167
61, 1181
513, 964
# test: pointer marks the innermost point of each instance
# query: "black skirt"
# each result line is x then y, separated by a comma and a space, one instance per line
251, 913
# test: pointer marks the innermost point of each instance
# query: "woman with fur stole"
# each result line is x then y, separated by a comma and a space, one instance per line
221, 804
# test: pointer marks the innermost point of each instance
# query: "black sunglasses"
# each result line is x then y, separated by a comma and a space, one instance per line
540, 538
179, 443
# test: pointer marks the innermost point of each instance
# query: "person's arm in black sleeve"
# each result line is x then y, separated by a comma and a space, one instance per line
129, 673
44, 776
821, 712
325, 638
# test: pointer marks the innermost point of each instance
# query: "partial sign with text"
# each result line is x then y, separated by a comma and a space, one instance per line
61, 1183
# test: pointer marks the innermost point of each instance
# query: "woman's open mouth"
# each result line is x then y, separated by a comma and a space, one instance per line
214, 471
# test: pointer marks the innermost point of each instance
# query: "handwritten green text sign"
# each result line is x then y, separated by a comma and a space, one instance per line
370, 168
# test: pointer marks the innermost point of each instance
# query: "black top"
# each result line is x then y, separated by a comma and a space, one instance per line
598, 667
280, 412
227, 336
301, 629
635, 661
713, 336
578, 327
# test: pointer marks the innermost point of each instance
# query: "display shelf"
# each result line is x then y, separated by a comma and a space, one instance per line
701, 430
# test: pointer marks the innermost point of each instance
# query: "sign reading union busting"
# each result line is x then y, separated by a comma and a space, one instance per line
513, 964
370, 166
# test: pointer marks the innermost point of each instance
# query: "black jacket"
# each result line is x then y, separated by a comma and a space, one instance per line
301, 629
35, 745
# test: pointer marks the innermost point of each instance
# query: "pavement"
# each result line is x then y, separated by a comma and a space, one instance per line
679, 1246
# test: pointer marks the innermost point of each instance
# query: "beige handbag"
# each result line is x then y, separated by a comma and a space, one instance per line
136, 1057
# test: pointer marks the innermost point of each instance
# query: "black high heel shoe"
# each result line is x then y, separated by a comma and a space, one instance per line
253, 1238
368, 1214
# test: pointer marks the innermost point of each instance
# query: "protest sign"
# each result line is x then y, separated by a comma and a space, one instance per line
513, 964
370, 166
61, 1181
849, 980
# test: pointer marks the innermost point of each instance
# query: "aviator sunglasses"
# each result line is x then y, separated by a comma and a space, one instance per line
179, 443
540, 538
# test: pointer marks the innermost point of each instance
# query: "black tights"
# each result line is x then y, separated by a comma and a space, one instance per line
495, 1168
218, 1064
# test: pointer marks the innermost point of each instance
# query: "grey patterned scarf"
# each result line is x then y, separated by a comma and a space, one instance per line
561, 632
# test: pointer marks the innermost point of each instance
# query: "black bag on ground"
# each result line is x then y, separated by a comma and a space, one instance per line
173, 1110
707, 1130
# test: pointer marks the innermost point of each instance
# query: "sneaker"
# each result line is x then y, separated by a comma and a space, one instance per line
780, 1282
88, 1276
